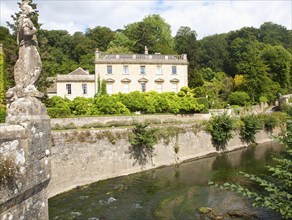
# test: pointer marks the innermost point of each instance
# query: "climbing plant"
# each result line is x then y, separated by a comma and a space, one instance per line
221, 127
142, 140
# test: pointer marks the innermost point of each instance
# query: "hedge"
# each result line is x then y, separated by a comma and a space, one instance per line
58, 112
205, 102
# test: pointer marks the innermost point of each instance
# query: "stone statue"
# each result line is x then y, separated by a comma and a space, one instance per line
28, 66
23, 98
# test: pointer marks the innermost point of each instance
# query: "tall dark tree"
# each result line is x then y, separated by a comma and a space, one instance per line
102, 36
279, 62
152, 32
275, 34
213, 52
185, 42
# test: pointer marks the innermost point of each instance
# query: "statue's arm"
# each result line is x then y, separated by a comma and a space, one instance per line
29, 30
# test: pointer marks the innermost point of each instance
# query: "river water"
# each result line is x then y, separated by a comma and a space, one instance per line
172, 192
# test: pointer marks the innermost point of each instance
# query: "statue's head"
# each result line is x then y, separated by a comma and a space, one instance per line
26, 8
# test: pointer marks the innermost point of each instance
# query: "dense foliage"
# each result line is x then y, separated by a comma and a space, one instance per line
273, 191
250, 126
142, 140
148, 102
256, 61
221, 129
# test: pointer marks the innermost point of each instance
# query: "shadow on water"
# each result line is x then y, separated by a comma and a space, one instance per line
173, 192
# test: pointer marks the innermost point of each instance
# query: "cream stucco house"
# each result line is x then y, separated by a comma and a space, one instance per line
143, 72
77, 83
124, 73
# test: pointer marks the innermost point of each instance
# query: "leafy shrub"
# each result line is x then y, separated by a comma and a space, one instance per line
81, 106
142, 140
287, 109
251, 125
263, 99
109, 105
220, 128
270, 121
204, 101
2, 115
58, 112
238, 98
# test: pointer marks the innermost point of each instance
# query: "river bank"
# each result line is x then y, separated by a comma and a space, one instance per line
171, 192
81, 157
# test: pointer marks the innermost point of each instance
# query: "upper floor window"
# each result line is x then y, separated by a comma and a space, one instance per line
125, 70
84, 89
68, 88
174, 70
158, 70
142, 70
109, 69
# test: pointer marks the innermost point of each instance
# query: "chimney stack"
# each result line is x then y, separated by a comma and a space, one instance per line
96, 54
146, 50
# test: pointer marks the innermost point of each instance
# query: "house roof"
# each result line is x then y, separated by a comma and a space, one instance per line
141, 59
78, 75
79, 71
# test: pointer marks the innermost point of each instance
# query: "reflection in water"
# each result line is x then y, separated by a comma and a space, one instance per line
173, 192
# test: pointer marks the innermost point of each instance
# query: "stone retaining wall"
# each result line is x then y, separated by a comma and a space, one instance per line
83, 157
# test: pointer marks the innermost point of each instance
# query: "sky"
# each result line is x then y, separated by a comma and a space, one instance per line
206, 17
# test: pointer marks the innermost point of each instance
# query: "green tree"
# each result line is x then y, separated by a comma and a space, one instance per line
278, 61
120, 43
238, 98
185, 42
213, 52
152, 32
275, 34
101, 36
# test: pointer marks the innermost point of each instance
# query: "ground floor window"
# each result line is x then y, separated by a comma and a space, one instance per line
159, 87
126, 87
68, 88
109, 88
143, 86
84, 89
174, 87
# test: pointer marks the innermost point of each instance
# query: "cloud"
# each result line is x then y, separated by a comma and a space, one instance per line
205, 17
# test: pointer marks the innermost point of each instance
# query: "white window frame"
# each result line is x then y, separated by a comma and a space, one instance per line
84, 89
109, 88
159, 70
69, 89
143, 86
173, 70
159, 87
143, 70
174, 87
126, 87
109, 69
125, 70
